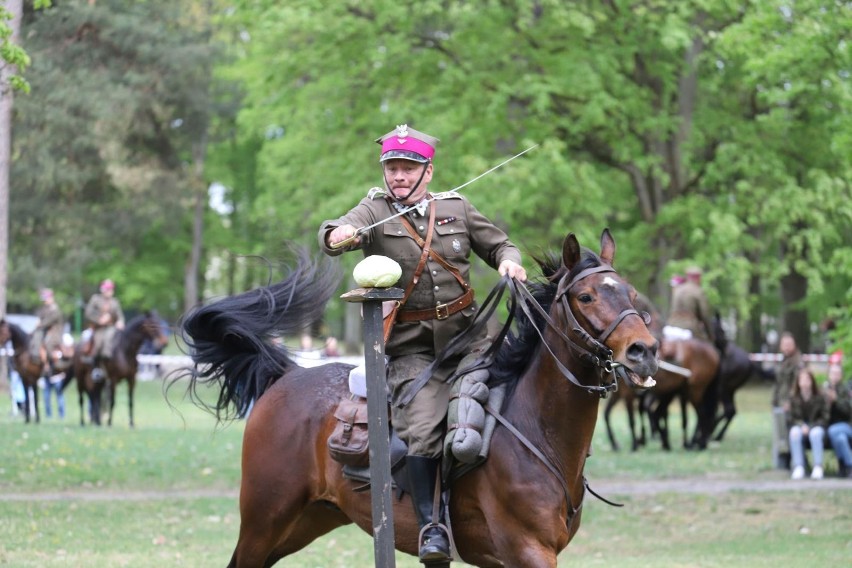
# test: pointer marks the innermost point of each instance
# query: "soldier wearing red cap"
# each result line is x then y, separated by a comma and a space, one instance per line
48, 331
105, 317
432, 244
690, 308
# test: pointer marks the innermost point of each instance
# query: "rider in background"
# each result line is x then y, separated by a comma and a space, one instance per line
104, 314
440, 304
48, 332
690, 309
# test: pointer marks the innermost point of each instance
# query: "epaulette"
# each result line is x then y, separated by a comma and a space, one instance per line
376, 193
448, 195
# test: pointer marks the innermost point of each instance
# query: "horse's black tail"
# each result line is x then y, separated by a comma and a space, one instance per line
230, 340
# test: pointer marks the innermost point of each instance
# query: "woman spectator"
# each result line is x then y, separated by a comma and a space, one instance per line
808, 417
839, 399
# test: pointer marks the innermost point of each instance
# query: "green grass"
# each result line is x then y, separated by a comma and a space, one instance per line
164, 494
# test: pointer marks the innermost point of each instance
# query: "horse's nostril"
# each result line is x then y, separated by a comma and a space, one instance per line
640, 351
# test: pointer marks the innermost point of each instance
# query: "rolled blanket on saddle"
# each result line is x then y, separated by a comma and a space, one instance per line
469, 427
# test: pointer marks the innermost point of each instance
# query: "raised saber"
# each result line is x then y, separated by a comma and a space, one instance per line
362, 230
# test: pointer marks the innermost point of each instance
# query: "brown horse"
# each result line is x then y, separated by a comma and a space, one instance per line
702, 359
29, 368
575, 338
646, 403
123, 365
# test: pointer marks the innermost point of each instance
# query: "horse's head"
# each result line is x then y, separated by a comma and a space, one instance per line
598, 306
152, 328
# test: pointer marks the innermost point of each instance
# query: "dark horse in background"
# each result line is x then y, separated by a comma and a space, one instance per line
562, 359
736, 368
29, 368
121, 366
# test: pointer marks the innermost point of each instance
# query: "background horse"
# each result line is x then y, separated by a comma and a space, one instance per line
28, 368
735, 369
122, 365
292, 492
702, 359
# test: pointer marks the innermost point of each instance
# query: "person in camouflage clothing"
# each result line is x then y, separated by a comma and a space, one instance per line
440, 304
105, 316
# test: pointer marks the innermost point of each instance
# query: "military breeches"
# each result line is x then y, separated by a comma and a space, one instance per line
103, 339
421, 422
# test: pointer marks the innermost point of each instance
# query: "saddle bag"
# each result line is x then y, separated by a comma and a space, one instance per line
349, 442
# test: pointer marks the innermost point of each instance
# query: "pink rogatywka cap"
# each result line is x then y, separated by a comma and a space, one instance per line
405, 143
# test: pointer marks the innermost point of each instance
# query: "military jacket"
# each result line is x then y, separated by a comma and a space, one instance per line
690, 310
51, 321
459, 231
100, 304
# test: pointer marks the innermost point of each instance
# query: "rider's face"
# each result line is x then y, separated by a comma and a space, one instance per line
402, 175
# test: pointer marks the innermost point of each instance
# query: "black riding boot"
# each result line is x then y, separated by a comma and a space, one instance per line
422, 476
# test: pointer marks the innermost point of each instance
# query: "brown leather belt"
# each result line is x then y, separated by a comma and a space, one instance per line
439, 312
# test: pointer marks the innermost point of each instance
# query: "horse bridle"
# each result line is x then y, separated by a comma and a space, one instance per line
590, 349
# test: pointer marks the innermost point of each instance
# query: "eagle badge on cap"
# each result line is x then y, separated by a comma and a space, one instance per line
401, 133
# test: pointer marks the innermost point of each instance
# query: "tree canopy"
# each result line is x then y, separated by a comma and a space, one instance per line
710, 132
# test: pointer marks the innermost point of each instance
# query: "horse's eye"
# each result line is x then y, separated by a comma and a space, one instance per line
585, 298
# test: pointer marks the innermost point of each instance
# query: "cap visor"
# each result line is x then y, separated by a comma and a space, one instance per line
403, 155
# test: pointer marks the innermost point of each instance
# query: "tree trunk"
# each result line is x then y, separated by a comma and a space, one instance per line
191, 289
794, 288
15, 8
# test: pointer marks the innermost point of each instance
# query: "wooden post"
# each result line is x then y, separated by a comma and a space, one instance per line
381, 489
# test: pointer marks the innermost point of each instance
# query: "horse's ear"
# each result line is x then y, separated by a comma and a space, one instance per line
607, 247
570, 251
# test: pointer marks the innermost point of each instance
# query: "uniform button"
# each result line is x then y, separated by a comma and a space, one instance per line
398, 232
421, 227
452, 230
437, 288
434, 273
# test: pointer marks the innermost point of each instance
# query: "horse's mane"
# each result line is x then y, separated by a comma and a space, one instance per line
516, 353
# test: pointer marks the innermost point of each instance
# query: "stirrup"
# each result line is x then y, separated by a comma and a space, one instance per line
434, 547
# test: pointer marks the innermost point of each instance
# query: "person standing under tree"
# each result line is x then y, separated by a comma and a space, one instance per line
433, 244
104, 314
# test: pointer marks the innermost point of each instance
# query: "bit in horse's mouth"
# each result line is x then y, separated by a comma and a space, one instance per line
631, 377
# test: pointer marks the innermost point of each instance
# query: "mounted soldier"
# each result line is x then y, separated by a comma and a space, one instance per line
690, 316
47, 336
105, 317
432, 243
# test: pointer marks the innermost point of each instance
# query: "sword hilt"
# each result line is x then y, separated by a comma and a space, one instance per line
345, 242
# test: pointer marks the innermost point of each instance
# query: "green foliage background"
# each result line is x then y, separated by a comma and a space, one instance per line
710, 132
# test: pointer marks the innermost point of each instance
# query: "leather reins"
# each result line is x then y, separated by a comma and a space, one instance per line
590, 349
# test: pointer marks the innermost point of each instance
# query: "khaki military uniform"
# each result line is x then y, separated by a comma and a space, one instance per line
691, 310
49, 330
459, 231
103, 336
